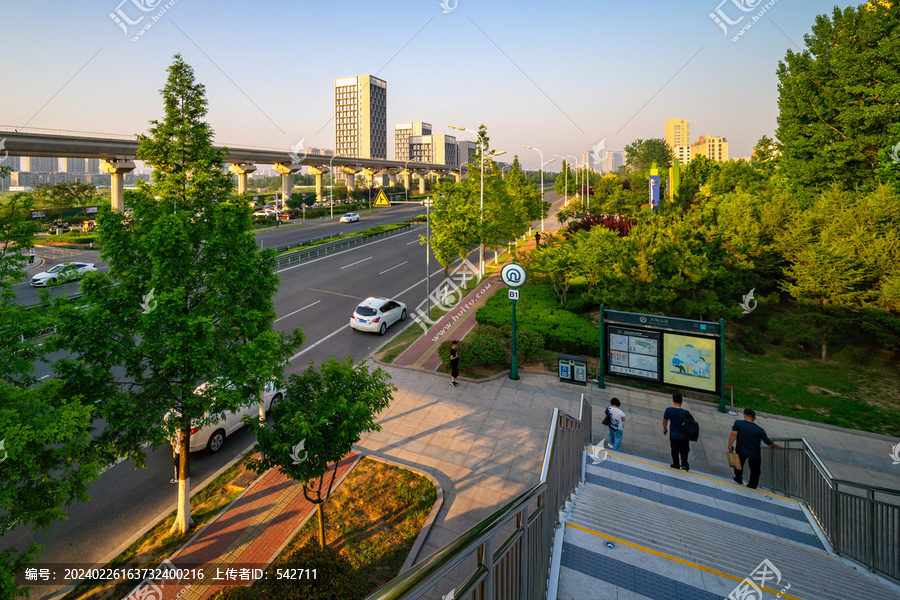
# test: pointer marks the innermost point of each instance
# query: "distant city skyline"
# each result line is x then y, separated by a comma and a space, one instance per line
560, 78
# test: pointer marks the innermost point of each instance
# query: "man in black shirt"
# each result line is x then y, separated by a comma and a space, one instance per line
680, 446
454, 362
748, 435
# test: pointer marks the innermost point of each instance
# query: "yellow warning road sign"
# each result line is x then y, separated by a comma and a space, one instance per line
381, 199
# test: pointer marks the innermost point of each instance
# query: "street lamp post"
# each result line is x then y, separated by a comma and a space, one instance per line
542, 180
577, 166
566, 194
331, 170
481, 218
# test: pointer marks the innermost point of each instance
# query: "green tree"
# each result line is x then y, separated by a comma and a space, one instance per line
565, 181
54, 198
838, 98
45, 462
187, 299
641, 154
454, 222
556, 260
322, 415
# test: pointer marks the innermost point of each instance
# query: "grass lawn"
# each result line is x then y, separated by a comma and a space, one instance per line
365, 232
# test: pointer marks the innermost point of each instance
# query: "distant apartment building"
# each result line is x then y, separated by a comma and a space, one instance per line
436, 149
39, 164
402, 133
713, 148
465, 151
612, 161
360, 115
74, 166
678, 137
93, 166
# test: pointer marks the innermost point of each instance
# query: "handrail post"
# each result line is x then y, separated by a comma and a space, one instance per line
870, 514
486, 560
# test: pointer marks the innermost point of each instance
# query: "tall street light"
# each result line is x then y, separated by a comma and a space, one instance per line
331, 169
408, 178
577, 168
493, 154
566, 164
542, 180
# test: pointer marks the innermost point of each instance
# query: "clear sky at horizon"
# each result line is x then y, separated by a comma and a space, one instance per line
560, 77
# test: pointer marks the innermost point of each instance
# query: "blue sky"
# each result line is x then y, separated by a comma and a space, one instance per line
559, 76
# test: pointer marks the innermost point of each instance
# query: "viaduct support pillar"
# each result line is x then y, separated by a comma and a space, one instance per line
286, 170
116, 168
318, 172
242, 169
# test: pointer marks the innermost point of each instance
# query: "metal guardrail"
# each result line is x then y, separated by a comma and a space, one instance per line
862, 522
301, 255
298, 244
507, 555
66, 132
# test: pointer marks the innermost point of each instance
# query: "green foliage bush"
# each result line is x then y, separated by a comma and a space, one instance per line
487, 350
538, 310
752, 340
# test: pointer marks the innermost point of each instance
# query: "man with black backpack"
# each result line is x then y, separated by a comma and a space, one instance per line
684, 431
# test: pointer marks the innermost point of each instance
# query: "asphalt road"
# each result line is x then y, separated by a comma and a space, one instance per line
317, 296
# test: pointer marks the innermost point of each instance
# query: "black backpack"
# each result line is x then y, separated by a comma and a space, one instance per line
690, 429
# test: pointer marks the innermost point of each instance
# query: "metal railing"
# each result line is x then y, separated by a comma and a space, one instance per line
507, 555
862, 522
322, 249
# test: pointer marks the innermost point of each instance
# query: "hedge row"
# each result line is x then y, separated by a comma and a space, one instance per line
538, 310
490, 347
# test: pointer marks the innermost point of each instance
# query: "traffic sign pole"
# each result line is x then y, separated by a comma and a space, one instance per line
514, 358
514, 276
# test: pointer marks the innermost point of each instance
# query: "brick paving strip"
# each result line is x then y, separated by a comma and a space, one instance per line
455, 325
248, 534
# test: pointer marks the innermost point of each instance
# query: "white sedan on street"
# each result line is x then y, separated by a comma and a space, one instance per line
61, 273
377, 314
349, 218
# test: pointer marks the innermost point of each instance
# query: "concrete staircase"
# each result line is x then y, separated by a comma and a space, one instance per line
639, 529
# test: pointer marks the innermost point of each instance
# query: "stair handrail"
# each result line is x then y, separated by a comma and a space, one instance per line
858, 523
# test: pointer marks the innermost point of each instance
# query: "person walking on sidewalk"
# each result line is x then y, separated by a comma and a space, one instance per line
680, 446
31, 256
454, 362
175, 456
748, 435
616, 423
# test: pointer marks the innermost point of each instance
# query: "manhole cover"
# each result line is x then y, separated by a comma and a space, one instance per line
244, 479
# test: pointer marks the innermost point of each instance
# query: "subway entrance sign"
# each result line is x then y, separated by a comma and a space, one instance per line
681, 353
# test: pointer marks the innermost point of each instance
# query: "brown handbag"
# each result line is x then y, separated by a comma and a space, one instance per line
734, 460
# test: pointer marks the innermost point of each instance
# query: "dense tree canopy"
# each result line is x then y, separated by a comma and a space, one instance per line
838, 98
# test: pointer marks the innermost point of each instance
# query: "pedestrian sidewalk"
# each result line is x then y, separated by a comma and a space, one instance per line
248, 534
456, 324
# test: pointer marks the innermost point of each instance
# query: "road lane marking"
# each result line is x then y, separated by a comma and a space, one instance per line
356, 263
45, 377
296, 311
414, 242
309, 262
394, 267
335, 293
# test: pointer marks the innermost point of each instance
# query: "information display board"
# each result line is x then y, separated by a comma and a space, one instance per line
665, 350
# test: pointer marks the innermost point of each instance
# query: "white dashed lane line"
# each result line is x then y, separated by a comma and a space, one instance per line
356, 263
296, 311
394, 267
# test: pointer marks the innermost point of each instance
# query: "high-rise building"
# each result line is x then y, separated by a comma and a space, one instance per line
75, 166
713, 148
466, 149
360, 117
93, 166
39, 164
612, 161
402, 133
436, 149
678, 137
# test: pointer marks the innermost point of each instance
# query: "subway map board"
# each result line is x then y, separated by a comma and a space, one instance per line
634, 353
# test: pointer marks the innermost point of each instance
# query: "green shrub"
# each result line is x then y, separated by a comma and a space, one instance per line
752, 340
487, 350
529, 345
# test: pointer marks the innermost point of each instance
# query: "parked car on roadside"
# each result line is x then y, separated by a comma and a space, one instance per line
212, 436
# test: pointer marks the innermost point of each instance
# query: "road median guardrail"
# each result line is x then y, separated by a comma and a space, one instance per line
323, 249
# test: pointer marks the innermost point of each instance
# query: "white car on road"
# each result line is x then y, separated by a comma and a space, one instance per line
61, 273
377, 314
349, 218
212, 436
